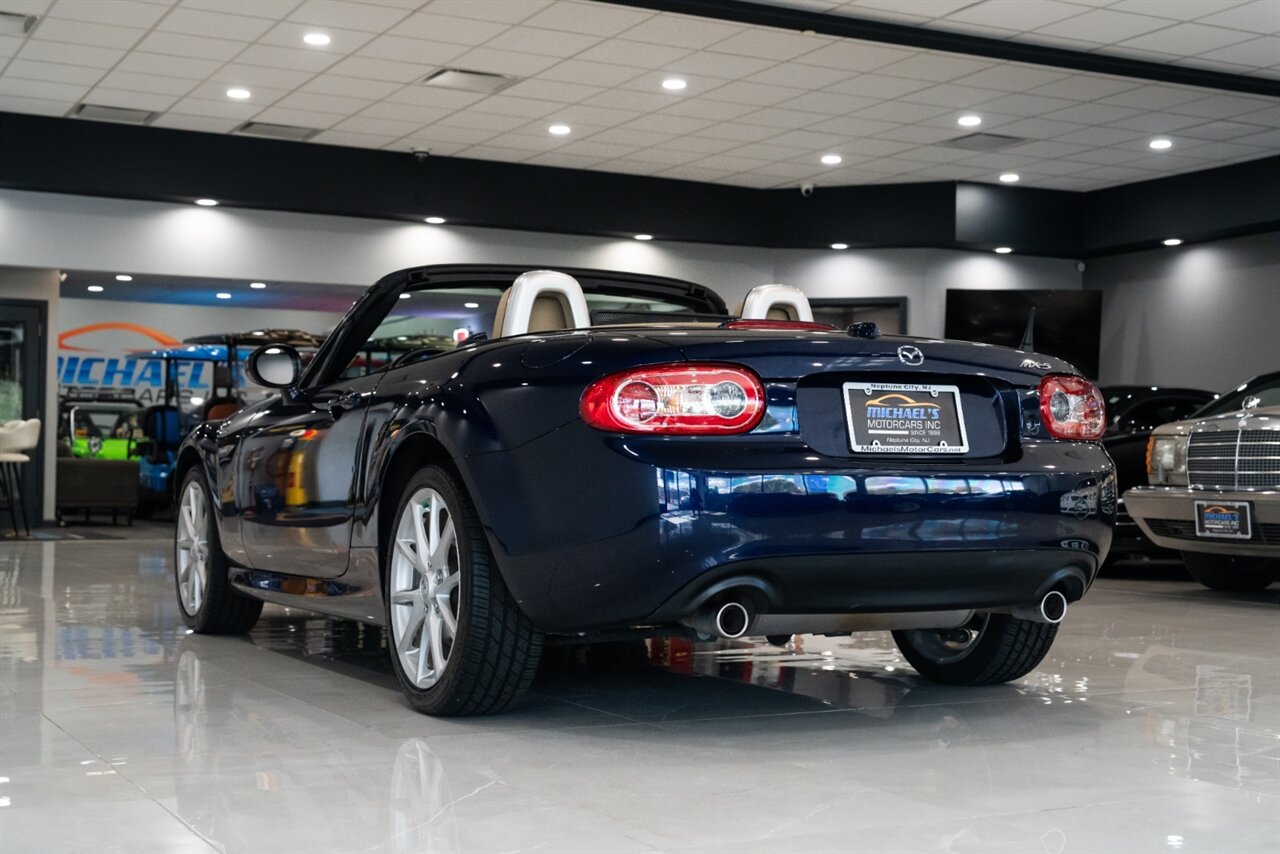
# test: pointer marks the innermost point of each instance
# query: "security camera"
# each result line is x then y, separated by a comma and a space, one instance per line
420, 154
806, 189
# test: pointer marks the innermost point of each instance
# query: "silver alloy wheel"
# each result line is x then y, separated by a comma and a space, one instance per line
944, 650
192, 548
424, 589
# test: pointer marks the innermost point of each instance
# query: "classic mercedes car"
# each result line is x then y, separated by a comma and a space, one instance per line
1214, 488
610, 455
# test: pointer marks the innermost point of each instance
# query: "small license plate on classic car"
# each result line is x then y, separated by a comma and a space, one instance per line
904, 418
1226, 519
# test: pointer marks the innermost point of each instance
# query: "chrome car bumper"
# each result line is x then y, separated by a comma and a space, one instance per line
1166, 514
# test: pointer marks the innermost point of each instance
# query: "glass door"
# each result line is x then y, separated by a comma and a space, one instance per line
22, 369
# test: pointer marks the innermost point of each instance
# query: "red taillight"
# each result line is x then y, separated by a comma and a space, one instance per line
1072, 408
785, 325
676, 399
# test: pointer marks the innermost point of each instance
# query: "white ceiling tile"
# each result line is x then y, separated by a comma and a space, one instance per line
1183, 10
1115, 174
800, 76
1099, 136
34, 106
131, 100
443, 133
1011, 77
531, 143
861, 56
994, 160
213, 91
1269, 139
53, 72
300, 118
770, 44
42, 90
274, 9
1091, 114
915, 134
1154, 97
213, 108
952, 95
505, 105
168, 66
1056, 167
195, 22
494, 152
1045, 150
1269, 115
717, 66
598, 149
1157, 122
26, 7
491, 122
416, 94
354, 140
203, 124
283, 57
413, 51
898, 111
447, 28
317, 103
737, 132
933, 66
9, 46
618, 136
922, 8
930, 154
553, 90
625, 99
1104, 26
594, 19
124, 13
381, 69
660, 123
591, 115
664, 156
413, 113
154, 83
1219, 130
597, 73
859, 126
815, 141
683, 31
381, 127
1221, 106
1261, 16
695, 173
753, 93
251, 76
503, 62
502, 11
639, 54
349, 87
178, 44
81, 32
1261, 52
1228, 151
1012, 14
1186, 39
1026, 105
783, 119
830, 103
730, 163
707, 108
335, 13
1085, 87
701, 145
562, 160
542, 42
879, 86
289, 34
1039, 128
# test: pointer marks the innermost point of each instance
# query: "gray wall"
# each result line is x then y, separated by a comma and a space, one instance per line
42, 286
1204, 316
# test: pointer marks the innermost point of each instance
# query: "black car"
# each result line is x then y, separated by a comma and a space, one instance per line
1133, 411
609, 455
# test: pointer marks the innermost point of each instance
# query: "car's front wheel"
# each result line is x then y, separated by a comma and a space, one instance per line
459, 643
208, 602
1233, 573
990, 649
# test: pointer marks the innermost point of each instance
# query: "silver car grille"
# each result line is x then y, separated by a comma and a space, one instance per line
1234, 459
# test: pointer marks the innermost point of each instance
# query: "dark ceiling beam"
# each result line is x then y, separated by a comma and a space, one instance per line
764, 15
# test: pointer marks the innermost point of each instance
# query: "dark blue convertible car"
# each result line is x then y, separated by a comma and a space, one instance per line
607, 455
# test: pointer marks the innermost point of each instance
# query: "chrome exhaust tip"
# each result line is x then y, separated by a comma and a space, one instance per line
732, 620
1051, 609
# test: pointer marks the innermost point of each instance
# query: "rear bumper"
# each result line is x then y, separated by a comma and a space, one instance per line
1166, 514
593, 531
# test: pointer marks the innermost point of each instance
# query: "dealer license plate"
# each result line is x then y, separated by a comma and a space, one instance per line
904, 418
1224, 519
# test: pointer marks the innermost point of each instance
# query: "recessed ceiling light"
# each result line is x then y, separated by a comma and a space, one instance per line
969, 121
471, 305
644, 237
1003, 250
124, 278
402, 296
94, 289
1161, 144
257, 286
1173, 241
839, 245
674, 84
316, 39
207, 203
1010, 178
559, 130
435, 220
222, 295
832, 160
239, 93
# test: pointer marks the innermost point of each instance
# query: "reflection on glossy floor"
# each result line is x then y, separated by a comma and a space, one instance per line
1154, 726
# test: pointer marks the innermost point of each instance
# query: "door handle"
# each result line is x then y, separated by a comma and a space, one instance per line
345, 401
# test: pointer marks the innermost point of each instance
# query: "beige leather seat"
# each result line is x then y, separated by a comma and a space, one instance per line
776, 302
541, 301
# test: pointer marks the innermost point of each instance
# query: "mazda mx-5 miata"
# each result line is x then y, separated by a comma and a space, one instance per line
608, 455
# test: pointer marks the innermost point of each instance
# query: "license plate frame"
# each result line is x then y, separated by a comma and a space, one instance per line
1231, 520
914, 433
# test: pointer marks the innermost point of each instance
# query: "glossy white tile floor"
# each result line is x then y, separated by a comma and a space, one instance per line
1153, 726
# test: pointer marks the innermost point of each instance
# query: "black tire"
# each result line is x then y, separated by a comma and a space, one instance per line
220, 608
1232, 573
494, 652
1004, 648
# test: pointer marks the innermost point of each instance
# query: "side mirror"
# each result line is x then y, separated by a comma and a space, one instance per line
275, 366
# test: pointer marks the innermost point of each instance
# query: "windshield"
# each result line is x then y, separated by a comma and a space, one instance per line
1266, 388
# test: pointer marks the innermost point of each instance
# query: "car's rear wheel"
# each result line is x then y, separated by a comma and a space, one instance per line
208, 602
459, 643
1233, 573
990, 649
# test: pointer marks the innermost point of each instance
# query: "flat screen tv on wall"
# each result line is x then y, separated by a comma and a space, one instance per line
1068, 323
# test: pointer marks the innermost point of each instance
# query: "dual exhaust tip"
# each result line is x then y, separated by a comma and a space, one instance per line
734, 618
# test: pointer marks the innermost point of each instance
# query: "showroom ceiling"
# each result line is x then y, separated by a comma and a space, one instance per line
760, 107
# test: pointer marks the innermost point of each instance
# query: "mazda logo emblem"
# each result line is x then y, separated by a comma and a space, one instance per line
909, 355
